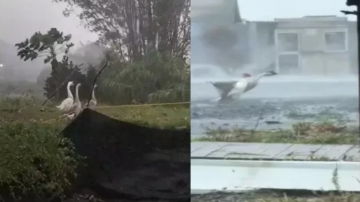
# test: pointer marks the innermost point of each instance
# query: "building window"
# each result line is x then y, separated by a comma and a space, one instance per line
287, 42
335, 41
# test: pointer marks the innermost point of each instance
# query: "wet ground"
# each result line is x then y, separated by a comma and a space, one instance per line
276, 102
283, 87
271, 113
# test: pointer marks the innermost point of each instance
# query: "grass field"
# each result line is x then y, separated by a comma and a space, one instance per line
322, 132
37, 162
29, 111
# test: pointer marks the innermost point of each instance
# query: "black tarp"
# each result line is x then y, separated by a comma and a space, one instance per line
128, 161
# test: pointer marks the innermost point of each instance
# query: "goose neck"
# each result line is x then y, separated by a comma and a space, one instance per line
77, 93
69, 91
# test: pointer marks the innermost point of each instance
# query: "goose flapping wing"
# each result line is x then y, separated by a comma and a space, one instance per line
224, 87
239, 88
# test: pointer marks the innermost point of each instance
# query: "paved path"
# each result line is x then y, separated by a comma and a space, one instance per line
266, 151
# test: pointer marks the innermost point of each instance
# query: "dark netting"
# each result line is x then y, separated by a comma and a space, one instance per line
128, 161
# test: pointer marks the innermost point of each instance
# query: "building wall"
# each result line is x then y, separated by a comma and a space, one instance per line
325, 64
314, 59
254, 48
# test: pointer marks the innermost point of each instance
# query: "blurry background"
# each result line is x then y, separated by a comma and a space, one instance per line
125, 46
312, 45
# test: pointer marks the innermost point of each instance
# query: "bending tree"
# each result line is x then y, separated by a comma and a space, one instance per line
47, 45
148, 43
50, 45
136, 27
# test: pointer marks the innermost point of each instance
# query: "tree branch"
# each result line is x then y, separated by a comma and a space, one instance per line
350, 12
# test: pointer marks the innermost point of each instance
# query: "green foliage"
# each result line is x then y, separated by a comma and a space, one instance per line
15, 104
149, 63
48, 45
36, 161
157, 78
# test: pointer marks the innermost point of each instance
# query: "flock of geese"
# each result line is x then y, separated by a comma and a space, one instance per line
229, 91
73, 107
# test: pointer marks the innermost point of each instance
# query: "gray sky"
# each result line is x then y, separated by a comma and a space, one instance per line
19, 19
271, 9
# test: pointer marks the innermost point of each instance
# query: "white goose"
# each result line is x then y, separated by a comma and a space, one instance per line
93, 101
68, 102
231, 90
76, 107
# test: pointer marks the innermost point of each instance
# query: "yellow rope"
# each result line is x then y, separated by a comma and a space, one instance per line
141, 105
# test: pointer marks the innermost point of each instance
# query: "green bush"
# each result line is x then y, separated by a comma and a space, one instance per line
36, 161
157, 78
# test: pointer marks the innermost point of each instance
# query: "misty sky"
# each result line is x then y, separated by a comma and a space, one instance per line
270, 9
19, 19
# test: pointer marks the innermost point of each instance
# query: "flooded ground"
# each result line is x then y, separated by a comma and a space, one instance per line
271, 114
276, 105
